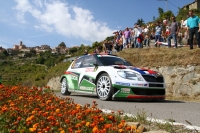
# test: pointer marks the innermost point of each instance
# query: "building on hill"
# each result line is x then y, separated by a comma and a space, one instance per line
20, 46
193, 5
60, 50
2, 49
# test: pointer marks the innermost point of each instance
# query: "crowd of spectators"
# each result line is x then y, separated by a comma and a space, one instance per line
155, 34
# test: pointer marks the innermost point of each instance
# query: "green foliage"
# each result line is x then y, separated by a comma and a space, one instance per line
62, 44
40, 60
110, 38
160, 11
140, 21
73, 50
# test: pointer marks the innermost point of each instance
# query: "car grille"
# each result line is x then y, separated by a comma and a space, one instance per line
156, 85
138, 91
150, 78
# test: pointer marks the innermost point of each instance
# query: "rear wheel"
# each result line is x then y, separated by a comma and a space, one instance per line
104, 87
64, 87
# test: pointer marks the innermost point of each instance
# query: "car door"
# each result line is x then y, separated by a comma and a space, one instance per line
87, 77
75, 72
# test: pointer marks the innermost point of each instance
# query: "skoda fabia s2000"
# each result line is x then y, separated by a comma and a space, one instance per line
111, 77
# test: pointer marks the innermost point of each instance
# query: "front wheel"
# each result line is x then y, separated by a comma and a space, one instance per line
64, 87
104, 87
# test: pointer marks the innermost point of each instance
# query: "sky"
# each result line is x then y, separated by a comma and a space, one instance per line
74, 22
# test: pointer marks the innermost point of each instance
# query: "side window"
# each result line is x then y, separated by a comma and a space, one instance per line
89, 61
77, 63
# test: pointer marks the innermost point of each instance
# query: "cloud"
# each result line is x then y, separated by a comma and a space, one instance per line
62, 18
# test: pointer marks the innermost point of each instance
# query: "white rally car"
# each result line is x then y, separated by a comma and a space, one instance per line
111, 77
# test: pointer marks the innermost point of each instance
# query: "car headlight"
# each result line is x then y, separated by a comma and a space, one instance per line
130, 75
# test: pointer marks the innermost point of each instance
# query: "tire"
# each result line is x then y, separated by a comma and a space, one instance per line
104, 87
64, 87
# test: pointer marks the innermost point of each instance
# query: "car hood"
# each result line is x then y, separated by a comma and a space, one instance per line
142, 71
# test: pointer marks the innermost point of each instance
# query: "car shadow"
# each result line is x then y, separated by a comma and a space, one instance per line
140, 101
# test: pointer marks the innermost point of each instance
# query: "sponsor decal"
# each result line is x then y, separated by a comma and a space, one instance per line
125, 90
86, 88
89, 70
134, 84
124, 84
74, 77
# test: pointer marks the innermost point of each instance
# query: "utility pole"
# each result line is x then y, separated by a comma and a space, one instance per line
166, 4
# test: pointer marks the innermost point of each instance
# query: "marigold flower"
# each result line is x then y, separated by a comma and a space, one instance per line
35, 125
20, 97
101, 119
121, 130
19, 118
78, 131
67, 121
120, 126
62, 131
128, 128
57, 110
87, 124
95, 129
32, 129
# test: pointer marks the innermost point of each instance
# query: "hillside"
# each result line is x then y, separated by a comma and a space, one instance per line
155, 57
27, 72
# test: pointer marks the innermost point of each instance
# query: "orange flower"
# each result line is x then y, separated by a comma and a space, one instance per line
78, 131
19, 118
120, 126
57, 110
121, 130
62, 131
101, 119
95, 129
87, 124
128, 128
35, 125
32, 129
83, 122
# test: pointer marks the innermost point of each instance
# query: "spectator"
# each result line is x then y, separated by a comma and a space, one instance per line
147, 40
159, 32
85, 52
182, 22
193, 23
174, 29
127, 35
134, 35
146, 30
152, 36
139, 37
108, 47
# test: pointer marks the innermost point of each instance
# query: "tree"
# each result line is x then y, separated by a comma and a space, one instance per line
62, 45
110, 38
160, 11
140, 21
73, 50
96, 44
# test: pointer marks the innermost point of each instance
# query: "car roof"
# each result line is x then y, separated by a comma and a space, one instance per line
97, 54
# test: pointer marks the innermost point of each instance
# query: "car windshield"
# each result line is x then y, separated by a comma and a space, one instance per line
108, 60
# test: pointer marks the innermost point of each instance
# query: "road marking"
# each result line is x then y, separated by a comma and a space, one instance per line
157, 120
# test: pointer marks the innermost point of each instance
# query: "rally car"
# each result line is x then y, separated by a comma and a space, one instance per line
111, 77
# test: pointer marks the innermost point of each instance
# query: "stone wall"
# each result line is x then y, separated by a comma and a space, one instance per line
180, 81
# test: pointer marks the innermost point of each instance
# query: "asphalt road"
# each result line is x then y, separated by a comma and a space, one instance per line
176, 110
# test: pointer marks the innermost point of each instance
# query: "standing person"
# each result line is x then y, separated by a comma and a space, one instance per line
193, 24
159, 32
174, 29
127, 35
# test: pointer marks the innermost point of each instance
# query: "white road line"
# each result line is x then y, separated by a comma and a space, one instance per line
158, 120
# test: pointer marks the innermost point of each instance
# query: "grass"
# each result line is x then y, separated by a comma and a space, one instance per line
156, 57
